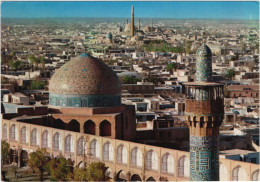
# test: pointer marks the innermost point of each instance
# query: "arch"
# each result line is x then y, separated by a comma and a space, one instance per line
151, 179
90, 127
121, 176
23, 135
108, 152
151, 161
81, 164
57, 141
184, 167
239, 174
109, 173
223, 172
34, 137
201, 122
5, 132
194, 121
136, 177
105, 128
256, 175
24, 158
81, 146
167, 163
94, 149
59, 124
45, 139
13, 132
73, 125
136, 157
69, 143
121, 154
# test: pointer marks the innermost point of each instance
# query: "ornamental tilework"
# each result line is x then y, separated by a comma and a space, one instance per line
66, 100
204, 162
204, 64
85, 75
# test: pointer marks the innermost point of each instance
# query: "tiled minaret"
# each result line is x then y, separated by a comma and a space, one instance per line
132, 23
204, 109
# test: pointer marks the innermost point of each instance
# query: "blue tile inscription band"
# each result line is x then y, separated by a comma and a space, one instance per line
204, 164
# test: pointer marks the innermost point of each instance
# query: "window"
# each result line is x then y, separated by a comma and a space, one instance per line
121, 154
167, 163
69, 143
183, 167
23, 134
34, 137
94, 149
108, 152
151, 161
136, 157
13, 132
81, 146
5, 132
45, 139
56, 141
256, 176
239, 174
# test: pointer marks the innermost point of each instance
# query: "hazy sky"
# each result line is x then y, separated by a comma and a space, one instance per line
166, 9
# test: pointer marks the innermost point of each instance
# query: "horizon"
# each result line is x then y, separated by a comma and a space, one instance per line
228, 10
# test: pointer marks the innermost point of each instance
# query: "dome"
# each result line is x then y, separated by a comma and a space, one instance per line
204, 64
109, 36
85, 81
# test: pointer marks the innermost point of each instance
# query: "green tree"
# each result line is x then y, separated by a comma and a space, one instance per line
60, 168
37, 84
78, 174
11, 64
38, 161
230, 74
5, 147
171, 66
33, 60
96, 172
129, 79
41, 60
188, 47
13, 54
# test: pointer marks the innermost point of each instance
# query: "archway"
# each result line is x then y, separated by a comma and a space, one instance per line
121, 176
109, 173
151, 179
136, 177
105, 128
90, 127
73, 125
24, 158
59, 124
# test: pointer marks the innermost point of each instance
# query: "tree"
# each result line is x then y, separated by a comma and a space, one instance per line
38, 161
230, 74
33, 60
5, 147
41, 60
78, 174
13, 54
171, 66
96, 172
60, 168
129, 79
188, 47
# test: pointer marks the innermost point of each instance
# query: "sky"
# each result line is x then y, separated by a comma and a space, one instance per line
145, 9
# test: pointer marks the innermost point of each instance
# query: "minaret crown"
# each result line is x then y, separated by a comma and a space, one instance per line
204, 64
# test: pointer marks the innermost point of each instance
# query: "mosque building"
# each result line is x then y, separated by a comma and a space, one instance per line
85, 119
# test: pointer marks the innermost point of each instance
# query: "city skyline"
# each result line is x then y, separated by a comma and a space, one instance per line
143, 9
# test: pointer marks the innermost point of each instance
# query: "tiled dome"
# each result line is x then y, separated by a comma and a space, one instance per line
204, 64
85, 78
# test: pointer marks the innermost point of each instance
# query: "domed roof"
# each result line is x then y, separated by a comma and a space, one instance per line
204, 64
85, 75
109, 35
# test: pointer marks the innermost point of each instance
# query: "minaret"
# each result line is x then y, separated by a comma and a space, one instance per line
152, 23
204, 109
132, 23
139, 27
127, 21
